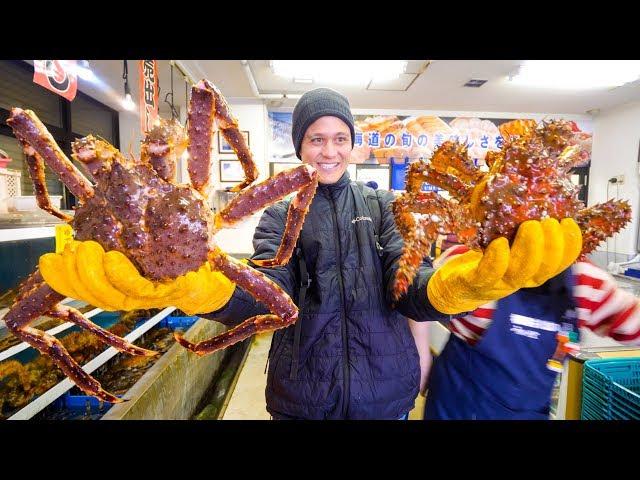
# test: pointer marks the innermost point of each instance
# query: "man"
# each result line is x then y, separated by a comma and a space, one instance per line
349, 355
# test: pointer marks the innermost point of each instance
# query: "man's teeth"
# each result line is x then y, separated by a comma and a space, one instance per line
327, 166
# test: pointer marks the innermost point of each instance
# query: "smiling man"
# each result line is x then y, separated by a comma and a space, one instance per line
323, 133
349, 355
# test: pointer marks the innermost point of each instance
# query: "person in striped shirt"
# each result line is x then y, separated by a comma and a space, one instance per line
508, 308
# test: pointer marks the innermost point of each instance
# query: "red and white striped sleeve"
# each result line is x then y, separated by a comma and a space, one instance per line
603, 307
473, 325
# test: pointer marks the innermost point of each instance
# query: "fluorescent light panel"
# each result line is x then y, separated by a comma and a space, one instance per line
577, 74
345, 72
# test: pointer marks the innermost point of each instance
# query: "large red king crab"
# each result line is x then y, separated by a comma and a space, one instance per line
164, 228
528, 179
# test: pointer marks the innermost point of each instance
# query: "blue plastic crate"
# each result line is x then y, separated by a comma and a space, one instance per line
80, 401
183, 323
80, 404
611, 389
632, 272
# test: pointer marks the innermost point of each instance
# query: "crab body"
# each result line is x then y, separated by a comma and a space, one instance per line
164, 228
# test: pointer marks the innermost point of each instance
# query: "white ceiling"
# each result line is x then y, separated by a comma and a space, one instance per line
438, 87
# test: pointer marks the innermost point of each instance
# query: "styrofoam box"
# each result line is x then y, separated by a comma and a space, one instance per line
29, 203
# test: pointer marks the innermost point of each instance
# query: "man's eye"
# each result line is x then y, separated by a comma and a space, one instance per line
317, 141
342, 139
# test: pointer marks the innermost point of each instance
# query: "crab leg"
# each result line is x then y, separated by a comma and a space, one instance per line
453, 158
304, 179
29, 284
36, 172
70, 314
162, 146
262, 289
36, 299
206, 103
420, 172
96, 155
601, 221
201, 129
418, 235
30, 130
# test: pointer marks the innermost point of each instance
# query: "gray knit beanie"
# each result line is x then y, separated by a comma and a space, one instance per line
318, 103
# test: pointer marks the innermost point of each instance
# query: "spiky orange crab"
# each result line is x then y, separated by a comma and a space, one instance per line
164, 228
528, 179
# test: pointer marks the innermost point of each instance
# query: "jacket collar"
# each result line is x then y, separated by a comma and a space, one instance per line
344, 181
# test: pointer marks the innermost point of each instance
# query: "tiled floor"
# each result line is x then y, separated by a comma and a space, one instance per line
247, 401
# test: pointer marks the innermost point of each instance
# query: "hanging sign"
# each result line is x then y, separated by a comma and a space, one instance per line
148, 75
59, 76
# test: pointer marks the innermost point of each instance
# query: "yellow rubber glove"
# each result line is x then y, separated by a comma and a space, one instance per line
110, 281
540, 251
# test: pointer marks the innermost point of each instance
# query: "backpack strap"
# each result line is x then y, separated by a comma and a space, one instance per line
373, 203
305, 283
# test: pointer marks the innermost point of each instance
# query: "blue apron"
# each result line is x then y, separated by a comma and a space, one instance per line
505, 375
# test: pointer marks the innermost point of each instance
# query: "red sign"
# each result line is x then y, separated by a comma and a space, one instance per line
59, 76
148, 74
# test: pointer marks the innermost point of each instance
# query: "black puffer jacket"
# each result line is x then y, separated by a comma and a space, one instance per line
357, 358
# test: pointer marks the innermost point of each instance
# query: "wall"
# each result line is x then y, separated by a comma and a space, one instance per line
253, 118
130, 135
615, 152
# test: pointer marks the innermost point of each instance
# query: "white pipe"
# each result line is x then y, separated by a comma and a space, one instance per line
635, 259
252, 81
10, 352
184, 70
617, 267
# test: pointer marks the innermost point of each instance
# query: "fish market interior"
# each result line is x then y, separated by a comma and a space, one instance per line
130, 191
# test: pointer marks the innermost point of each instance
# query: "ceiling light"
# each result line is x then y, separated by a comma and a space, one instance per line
576, 74
349, 72
83, 70
127, 103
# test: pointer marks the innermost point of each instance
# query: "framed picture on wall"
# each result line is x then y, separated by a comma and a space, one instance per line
277, 167
223, 145
231, 171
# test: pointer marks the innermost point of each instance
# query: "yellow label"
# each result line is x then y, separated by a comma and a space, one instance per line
64, 234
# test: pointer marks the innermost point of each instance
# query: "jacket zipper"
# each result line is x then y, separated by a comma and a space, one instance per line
345, 349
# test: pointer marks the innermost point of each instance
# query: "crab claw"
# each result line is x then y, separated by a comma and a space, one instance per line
108, 397
187, 344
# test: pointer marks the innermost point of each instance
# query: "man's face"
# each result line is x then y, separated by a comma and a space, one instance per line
326, 146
